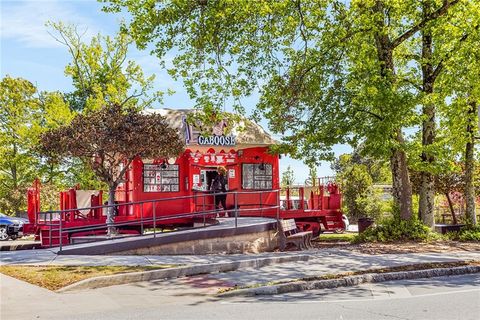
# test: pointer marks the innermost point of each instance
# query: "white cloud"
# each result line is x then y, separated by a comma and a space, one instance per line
24, 21
151, 65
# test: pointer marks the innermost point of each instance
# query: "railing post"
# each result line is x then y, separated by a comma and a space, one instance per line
154, 219
203, 210
141, 219
60, 231
278, 205
261, 204
50, 230
235, 201
287, 199
301, 196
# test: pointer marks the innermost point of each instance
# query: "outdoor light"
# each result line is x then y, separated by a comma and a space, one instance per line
261, 166
171, 160
163, 165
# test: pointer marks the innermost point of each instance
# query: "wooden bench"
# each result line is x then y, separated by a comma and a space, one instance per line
289, 233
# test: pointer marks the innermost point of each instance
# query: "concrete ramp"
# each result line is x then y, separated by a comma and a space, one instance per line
252, 235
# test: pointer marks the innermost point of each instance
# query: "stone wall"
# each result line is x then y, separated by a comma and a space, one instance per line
264, 241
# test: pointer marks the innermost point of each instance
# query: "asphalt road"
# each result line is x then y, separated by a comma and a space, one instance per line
192, 298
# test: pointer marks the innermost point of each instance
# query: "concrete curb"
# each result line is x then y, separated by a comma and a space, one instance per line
105, 281
350, 281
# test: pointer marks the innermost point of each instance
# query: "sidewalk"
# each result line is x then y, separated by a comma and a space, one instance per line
281, 266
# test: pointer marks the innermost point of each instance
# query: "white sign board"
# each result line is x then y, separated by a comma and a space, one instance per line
196, 179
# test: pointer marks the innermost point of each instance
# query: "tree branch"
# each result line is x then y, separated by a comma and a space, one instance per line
302, 27
409, 81
132, 97
439, 12
378, 117
441, 64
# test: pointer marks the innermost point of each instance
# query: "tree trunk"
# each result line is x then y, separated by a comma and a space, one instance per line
13, 169
452, 210
111, 230
402, 189
427, 181
469, 167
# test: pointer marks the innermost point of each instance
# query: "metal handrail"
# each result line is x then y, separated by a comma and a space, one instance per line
153, 219
157, 200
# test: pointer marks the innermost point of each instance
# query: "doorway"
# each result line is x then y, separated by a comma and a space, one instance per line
210, 175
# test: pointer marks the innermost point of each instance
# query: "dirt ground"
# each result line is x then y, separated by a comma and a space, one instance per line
402, 247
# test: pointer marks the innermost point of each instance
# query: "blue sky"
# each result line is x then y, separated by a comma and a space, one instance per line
28, 51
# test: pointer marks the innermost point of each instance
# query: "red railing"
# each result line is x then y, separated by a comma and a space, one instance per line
59, 226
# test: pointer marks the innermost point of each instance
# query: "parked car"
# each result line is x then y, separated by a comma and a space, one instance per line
11, 227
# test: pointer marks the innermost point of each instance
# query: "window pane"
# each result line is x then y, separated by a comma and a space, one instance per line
268, 169
257, 176
158, 179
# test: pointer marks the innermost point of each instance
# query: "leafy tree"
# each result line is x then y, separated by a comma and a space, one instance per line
357, 174
359, 198
430, 56
330, 71
312, 174
102, 75
18, 109
449, 181
101, 72
24, 114
109, 139
377, 168
288, 178
446, 183
460, 118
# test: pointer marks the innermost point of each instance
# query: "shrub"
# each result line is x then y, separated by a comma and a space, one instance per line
469, 233
396, 229
359, 197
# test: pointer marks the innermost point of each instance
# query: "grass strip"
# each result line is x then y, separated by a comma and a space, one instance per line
412, 267
56, 277
336, 237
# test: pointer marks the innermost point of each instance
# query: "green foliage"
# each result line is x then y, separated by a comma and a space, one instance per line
101, 73
288, 178
24, 114
312, 174
107, 140
376, 167
19, 110
359, 196
110, 138
468, 233
395, 229
328, 72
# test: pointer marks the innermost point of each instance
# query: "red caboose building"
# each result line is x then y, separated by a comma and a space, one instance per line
176, 192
